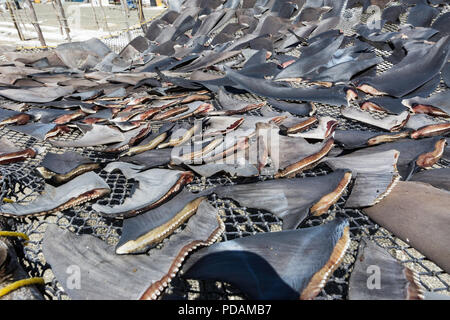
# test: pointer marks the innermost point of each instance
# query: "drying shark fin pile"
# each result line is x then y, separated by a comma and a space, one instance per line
299, 106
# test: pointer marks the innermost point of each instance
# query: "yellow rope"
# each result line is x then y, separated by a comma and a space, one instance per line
33, 48
18, 284
14, 234
7, 200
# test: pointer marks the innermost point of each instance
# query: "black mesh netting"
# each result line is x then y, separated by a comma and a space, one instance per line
20, 182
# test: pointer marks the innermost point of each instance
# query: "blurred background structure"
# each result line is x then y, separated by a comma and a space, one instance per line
40, 23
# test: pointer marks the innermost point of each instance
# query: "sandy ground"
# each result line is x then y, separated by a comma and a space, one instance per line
81, 19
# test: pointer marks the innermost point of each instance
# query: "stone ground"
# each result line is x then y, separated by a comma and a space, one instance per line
81, 19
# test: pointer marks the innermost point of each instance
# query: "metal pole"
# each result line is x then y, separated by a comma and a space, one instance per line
127, 15
141, 15
95, 15
36, 24
104, 16
63, 18
13, 17
58, 17
19, 18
